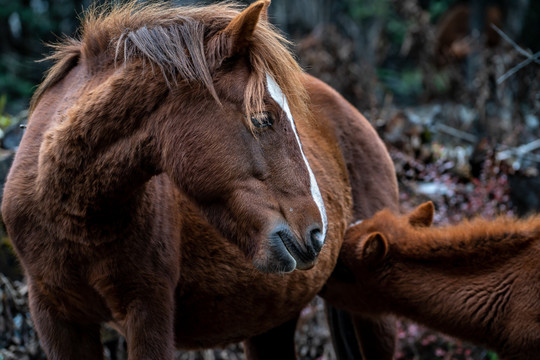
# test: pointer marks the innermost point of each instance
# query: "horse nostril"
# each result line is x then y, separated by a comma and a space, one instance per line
316, 238
287, 248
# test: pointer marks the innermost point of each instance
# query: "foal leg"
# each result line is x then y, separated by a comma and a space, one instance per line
277, 343
62, 339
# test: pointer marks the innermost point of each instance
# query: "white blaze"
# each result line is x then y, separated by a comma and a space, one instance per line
281, 99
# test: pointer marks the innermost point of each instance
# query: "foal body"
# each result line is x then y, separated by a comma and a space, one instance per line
142, 201
478, 280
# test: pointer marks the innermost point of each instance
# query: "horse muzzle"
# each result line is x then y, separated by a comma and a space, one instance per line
304, 254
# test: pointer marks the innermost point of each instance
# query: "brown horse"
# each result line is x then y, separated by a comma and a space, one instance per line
477, 280
176, 168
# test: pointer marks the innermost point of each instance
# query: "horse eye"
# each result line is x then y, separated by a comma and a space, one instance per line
261, 120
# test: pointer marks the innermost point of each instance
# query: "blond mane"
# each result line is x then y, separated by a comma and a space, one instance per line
175, 41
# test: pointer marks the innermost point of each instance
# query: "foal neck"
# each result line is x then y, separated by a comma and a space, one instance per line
469, 240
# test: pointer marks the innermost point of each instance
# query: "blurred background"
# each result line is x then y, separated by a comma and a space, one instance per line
452, 87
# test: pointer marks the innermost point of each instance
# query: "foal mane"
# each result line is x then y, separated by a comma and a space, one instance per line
477, 238
176, 40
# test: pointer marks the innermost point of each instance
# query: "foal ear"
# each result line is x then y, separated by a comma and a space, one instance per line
373, 248
240, 29
422, 216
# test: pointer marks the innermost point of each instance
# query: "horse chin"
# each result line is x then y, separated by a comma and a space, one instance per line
284, 263
305, 266
274, 257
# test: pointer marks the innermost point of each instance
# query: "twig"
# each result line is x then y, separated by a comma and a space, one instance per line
525, 148
512, 42
528, 54
518, 67
456, 133
521, 151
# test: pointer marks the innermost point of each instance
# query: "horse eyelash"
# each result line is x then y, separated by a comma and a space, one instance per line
267, 114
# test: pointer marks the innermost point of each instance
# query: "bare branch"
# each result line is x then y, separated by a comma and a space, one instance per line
527, 53
512, 42
521, 151
456, 133
518, 67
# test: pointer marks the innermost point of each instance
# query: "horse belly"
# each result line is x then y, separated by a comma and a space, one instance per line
210, 317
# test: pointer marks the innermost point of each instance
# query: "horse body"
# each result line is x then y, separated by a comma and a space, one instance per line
475, 280
125, 208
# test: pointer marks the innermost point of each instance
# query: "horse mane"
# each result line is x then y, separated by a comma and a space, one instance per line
175, 40
65, 57
477, 238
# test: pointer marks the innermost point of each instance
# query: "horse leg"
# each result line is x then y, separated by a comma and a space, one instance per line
62, 339
343, 334
377, 337
277, 343
357, 337
149, 328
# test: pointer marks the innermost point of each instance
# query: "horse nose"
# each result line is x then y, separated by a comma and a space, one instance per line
315, 238
304, 254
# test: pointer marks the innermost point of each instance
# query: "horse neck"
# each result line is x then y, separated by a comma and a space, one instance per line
99, 150
469, 240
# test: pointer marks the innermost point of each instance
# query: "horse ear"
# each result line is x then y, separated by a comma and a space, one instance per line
373, 248
422, 216
264, 12
236, 37
240, 29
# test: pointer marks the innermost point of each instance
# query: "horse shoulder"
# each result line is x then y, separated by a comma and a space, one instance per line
20, 188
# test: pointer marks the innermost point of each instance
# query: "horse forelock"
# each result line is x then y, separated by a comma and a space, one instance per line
177, 42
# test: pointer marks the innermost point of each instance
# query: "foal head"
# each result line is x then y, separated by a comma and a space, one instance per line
368, 259
372, 239
227, 129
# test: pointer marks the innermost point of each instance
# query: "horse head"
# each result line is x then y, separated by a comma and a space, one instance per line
231, 143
